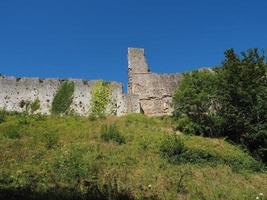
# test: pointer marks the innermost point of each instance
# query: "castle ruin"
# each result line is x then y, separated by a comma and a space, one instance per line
148, 93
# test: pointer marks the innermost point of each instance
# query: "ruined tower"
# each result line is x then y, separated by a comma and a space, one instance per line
137, 64
153, 90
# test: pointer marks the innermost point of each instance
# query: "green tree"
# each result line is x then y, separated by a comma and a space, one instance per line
230, 101
196, 102
244, 99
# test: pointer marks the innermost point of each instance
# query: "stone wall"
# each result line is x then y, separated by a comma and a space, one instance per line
155, 91
14, 91
148, 93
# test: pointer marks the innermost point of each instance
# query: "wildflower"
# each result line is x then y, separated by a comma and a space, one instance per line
257, 197
260, 194
149, 186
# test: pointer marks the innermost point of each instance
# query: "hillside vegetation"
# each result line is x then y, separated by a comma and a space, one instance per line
132, 157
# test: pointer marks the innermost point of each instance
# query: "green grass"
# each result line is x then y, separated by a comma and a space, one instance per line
66, 158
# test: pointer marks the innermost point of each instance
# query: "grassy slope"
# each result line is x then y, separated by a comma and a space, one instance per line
66, 157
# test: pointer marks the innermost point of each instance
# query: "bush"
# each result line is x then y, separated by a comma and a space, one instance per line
11, 131
51, 139
201, 156
185, 125
111, 132
171, 147
35, 105
2, 116
63, 98
229, 101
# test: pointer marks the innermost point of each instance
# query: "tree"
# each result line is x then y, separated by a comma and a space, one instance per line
231, 101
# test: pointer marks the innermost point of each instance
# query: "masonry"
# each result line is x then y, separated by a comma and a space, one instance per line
148, 92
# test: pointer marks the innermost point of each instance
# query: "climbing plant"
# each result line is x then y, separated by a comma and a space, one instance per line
63, 98
101, 97
35, 105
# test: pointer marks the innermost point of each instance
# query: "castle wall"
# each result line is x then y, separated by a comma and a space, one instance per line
155, 91
15, 91
148, 93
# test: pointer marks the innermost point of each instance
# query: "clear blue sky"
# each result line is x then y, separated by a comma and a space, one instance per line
89, 38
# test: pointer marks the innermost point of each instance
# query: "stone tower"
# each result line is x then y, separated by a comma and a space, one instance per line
137, 64
154, 91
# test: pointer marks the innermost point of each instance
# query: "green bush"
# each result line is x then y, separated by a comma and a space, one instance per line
200, 156
70, 166
101, 97
35, 105
171, 147
187, 126
230, 101
51, 139
2, 116
63, 98
111, 132
11, 131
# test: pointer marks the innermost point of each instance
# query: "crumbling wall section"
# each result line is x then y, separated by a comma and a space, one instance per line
16, 93
155, 91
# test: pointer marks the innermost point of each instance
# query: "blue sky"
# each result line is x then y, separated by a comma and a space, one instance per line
89, 38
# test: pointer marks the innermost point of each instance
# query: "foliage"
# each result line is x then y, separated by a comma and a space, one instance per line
11, 131
171, 147
196, 102
230, 101
2, 116
35, 105
51, 139
111, 132
187, 126
63, 98
101, 97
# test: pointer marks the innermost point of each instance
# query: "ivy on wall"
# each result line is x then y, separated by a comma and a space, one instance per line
101, 97
63, 98
35, 105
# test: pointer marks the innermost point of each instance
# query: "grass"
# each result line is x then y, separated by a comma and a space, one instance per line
66, 158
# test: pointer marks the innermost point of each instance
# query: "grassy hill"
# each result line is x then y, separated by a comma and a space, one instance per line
132, 157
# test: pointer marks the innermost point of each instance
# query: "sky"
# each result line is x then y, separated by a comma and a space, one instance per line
88, 39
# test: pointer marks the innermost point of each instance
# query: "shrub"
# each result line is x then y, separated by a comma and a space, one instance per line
187, 126
11, 131
35, 105
2, 116
51, 139
111, 132
229, 101
237, 163
63, 98
101, 97
171, 147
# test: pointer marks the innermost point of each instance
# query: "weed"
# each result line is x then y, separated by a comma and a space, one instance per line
11, 131
2, 116
171, 147
35, 105
111, 132
51, 139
